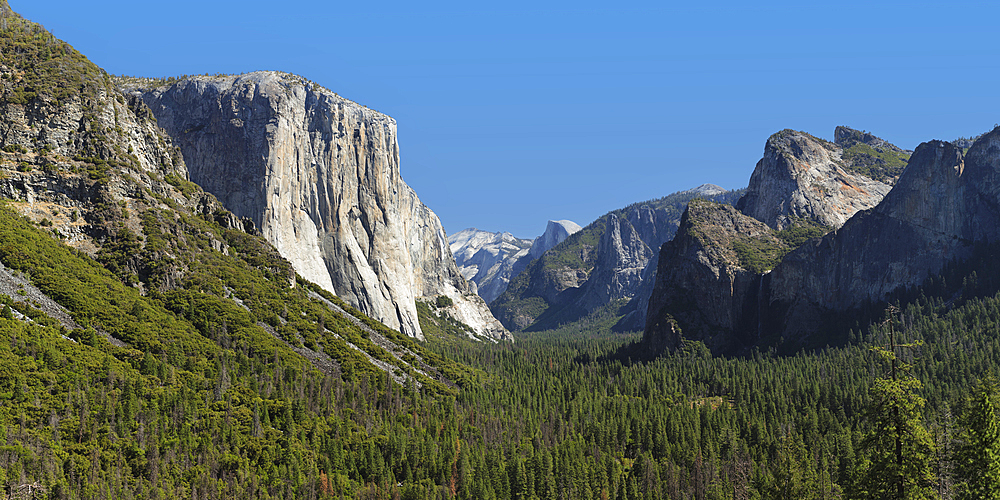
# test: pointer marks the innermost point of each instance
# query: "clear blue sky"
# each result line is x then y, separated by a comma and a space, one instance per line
513, 113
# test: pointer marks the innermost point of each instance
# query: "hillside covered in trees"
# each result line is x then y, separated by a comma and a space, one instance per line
153, 346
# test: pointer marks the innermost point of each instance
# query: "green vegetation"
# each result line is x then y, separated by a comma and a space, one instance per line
692, 425
577, 251
761, 254
758, 255
199, 367
439, 324
42, 65
881, 164
978, 456
800, 231
204, 401
519, 304
901, 449
184, 186
443, 301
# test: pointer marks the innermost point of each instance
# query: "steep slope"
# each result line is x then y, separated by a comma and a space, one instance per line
942, 205
136, 309
319, 176
602, 266
490, 260
942, 208
802, 177
709, 277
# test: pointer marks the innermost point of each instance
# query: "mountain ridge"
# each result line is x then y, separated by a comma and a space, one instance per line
940, 205
554, 289
490, 260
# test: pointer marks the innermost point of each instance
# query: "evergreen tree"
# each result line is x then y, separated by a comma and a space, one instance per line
979, 455
900, 448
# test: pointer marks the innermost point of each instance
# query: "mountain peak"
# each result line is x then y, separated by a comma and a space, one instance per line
707, 190
846, 137
555, 232
804, 177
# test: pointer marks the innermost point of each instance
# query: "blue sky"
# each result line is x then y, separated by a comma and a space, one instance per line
513, 113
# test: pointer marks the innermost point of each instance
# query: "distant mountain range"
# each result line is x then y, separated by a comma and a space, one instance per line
489, 260
603, 266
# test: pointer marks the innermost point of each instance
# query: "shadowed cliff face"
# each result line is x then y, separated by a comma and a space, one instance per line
922, 224
940, 208
319, 175
703, 285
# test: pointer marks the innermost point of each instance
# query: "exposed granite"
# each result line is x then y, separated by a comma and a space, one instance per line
319, 176
801, 176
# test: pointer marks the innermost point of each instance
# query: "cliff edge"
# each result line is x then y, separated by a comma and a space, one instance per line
320, 177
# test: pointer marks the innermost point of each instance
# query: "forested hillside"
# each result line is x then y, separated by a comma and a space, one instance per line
556, 415
153, 346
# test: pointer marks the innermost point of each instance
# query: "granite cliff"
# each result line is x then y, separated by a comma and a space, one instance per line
319, 176
802, 177
603, 267
709, 277
942, 206
490, 260
163, 270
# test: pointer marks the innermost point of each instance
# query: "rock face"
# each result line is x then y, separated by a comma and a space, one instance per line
62, 160
706, 285
622, 255
487, 259
604, 265
556, 231
803, 177
938, 209
941, 207
490, 260
319, 176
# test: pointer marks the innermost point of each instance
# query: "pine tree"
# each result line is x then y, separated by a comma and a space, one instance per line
900, 448
979, 455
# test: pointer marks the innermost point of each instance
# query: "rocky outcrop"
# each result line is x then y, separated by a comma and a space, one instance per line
707, 284
490, 260
319, 176
943, 206
871, 156
82, 164
932, 216
604, 265
556, 231
622, 255
804, 177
